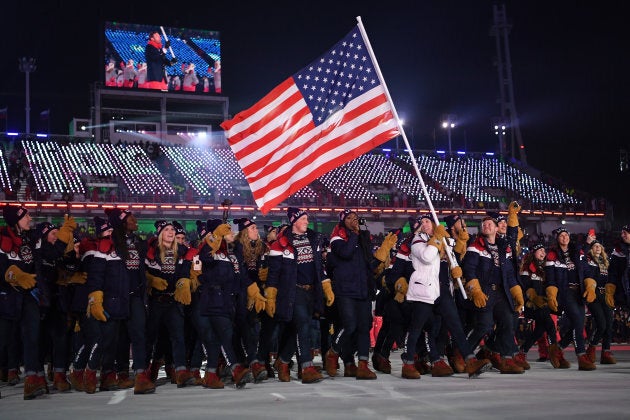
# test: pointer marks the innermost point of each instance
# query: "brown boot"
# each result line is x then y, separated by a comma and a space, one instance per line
184, 377
143, 384
457, 361
124, 381
33, 387
381, 363
212, 381
44, 383
422, 366
241, 375
76, 380
494, 357
60, 382
259, 372
198, 378
584, 363
317, 368
311, 375
270, 371
154, 370
364, 372
332, 362
475, 367
284, 375
441, 369
222, 370
109, 382
521, 360
591, 353
13, 377
350, 370
170, 373
556, 357
409, 371
509, 366
89, 381
607, 358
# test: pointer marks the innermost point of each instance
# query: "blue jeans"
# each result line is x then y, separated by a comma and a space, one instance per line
542, 323
497, 311
29, 324
55, 337
171, 316
10, 343
356, 322
395, 323
573, 307
268, 338
603, 320
104, 337
421, 313
451, 321
214, 332
246, 335
299, 327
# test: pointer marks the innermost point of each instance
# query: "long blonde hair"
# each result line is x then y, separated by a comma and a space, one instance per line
163, 248
602, 261
251, 253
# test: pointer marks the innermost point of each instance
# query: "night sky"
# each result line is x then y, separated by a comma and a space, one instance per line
569, 65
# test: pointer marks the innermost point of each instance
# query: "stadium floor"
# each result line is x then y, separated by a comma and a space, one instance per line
541, 392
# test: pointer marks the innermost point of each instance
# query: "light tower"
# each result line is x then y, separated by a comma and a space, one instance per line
500, 30
27, 66
448, 123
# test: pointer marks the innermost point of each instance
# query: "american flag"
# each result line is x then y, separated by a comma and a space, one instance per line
330, 112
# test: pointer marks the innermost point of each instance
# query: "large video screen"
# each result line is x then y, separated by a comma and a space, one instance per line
189, 62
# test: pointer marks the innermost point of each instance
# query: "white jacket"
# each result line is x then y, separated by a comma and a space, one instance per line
424, 284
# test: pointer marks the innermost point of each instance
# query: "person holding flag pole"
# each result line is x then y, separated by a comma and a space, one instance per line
155, 57
473, 366
453, 262
167, 42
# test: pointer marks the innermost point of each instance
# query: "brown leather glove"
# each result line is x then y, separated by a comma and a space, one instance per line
328, 292
194, 279
456, 272
66, 230
535, 299
436, 242
95, 306
16, 277
254, 298
589, 289
389, 242
610, 294
182, 291
513, 210
461, 237
552, 298
517, 297
440, 232
270, 305
214, 240
155, 282
401, 286
262, 274
78, 277
477, 295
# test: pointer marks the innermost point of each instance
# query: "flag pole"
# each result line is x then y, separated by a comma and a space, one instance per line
450, 255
